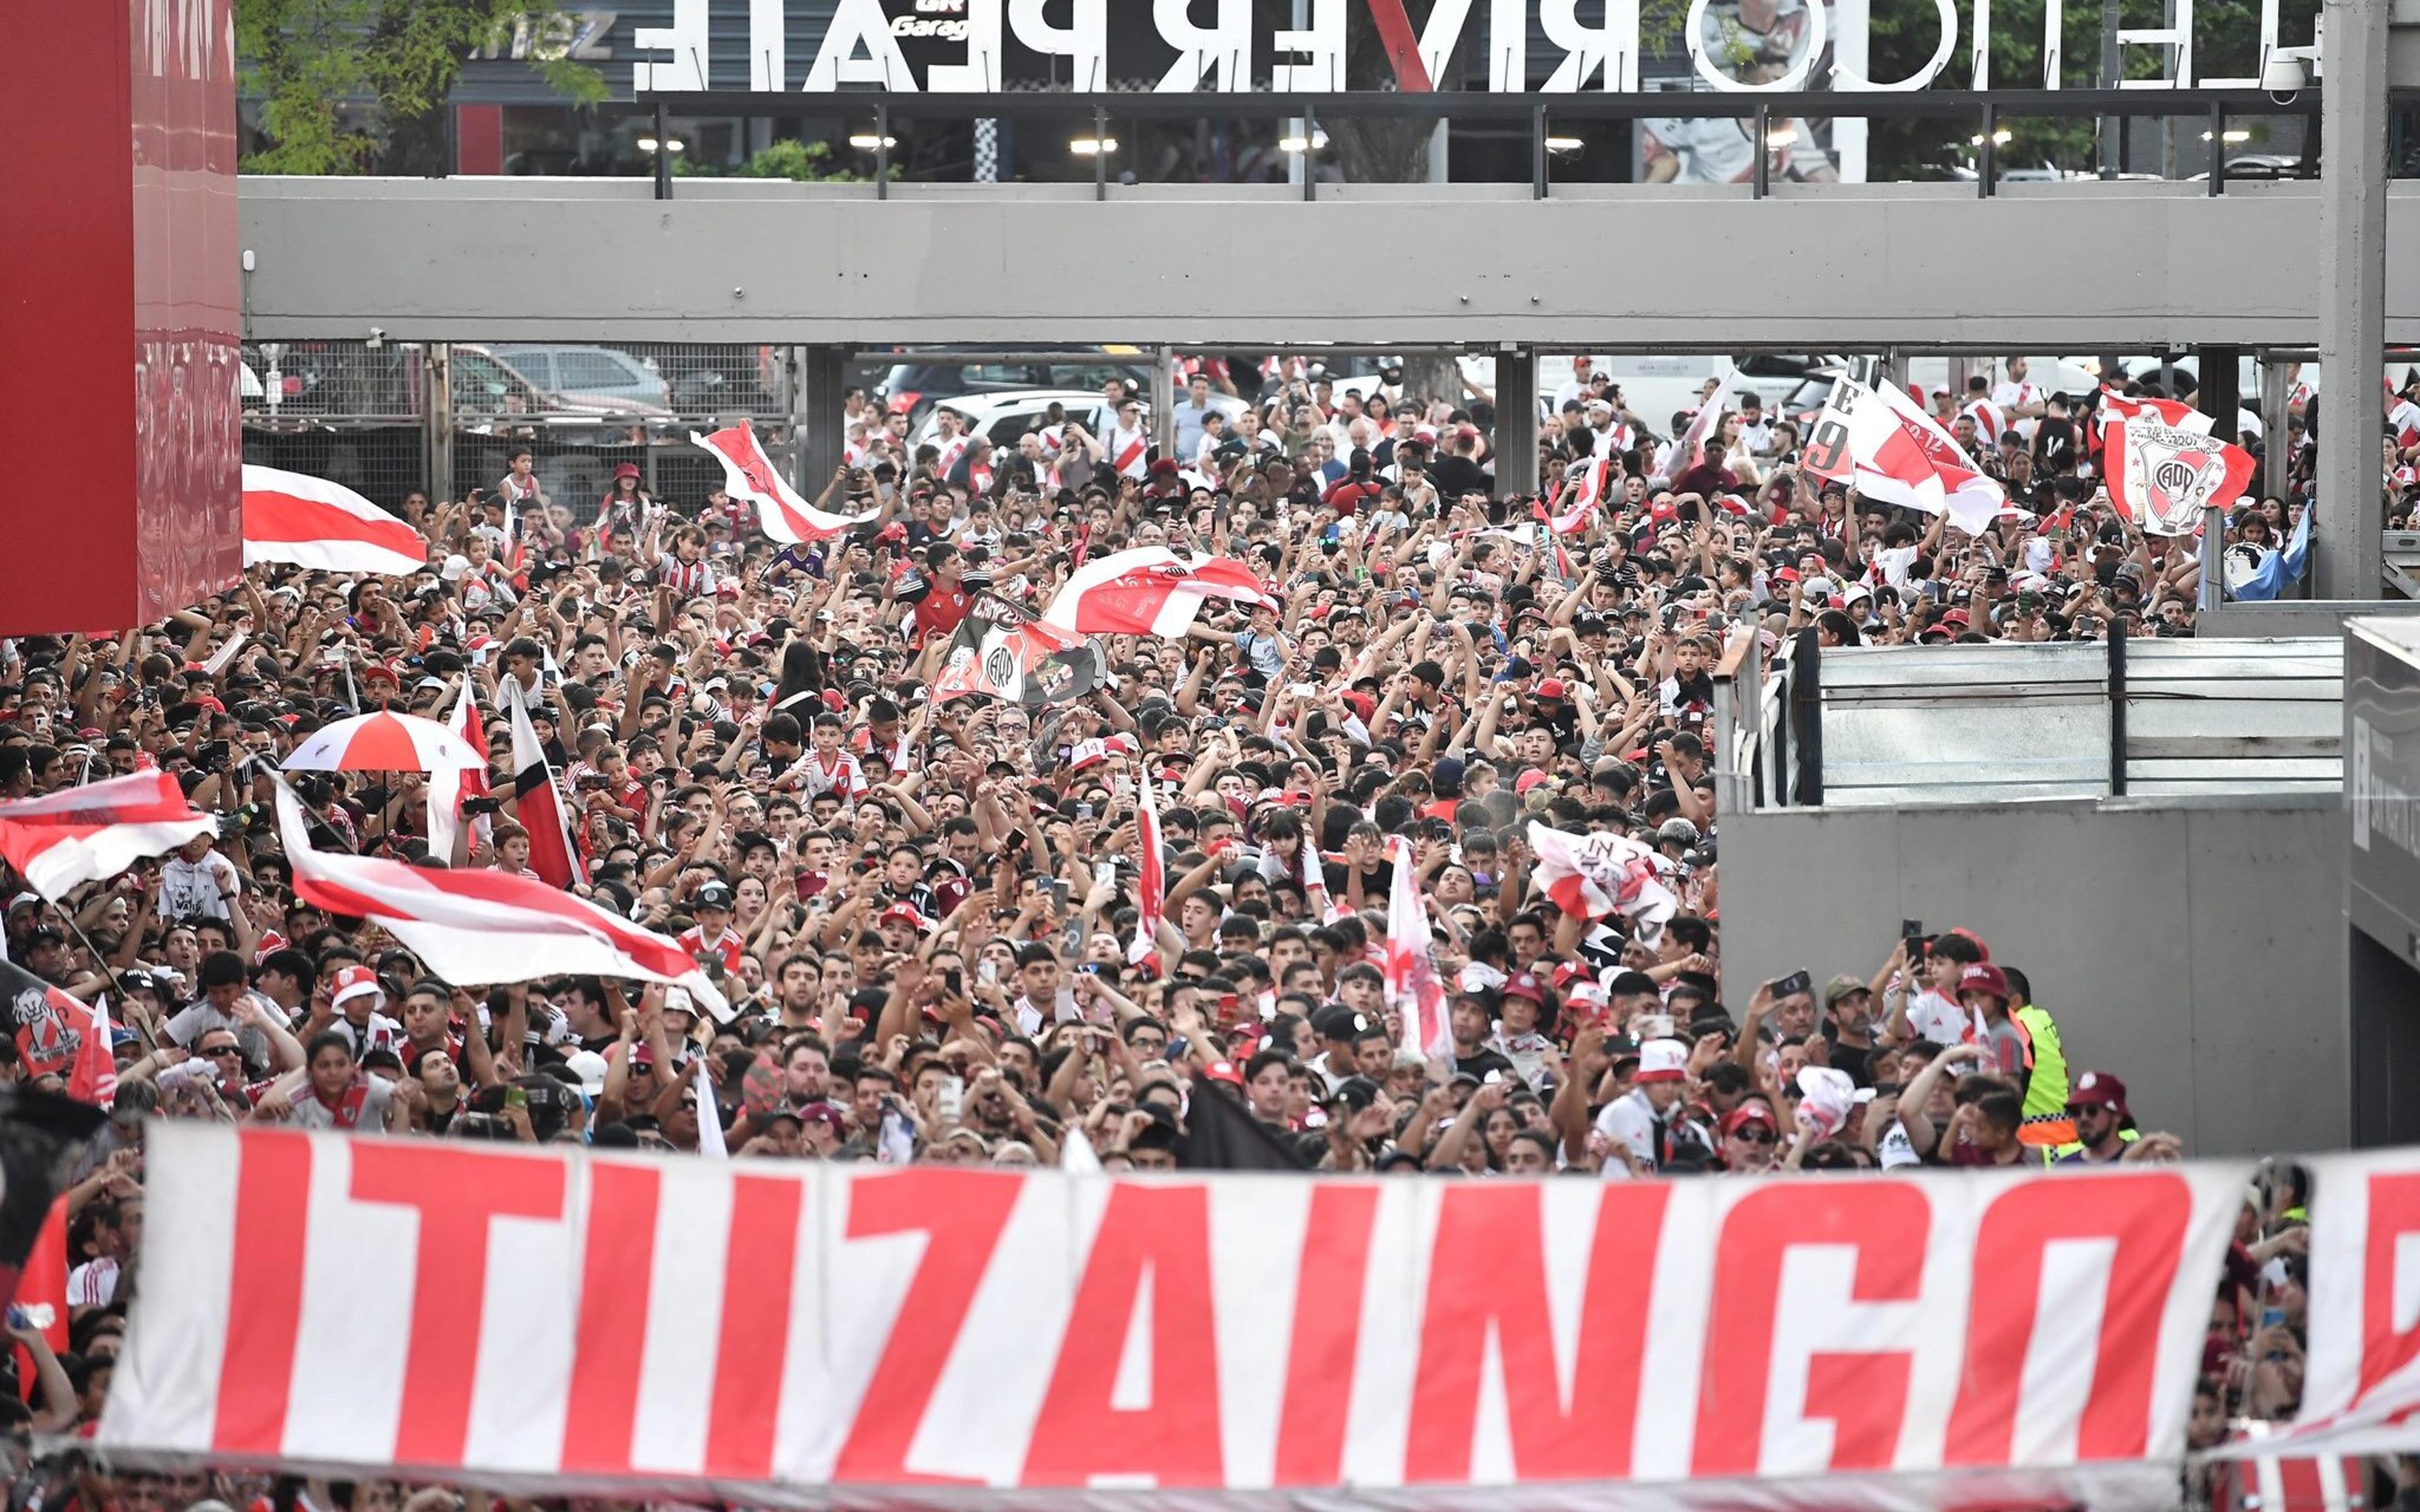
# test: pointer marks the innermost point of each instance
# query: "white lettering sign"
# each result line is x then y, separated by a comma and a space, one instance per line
1219, 47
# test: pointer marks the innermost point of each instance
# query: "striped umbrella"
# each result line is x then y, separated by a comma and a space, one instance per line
384, 742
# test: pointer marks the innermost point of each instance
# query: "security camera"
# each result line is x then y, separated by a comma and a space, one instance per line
378, 337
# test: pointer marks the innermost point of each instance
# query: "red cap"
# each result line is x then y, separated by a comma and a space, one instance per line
1747, 1113
1525, 984
1552, 687
1956, 617
1528, 779
1224, 1070
1983, 976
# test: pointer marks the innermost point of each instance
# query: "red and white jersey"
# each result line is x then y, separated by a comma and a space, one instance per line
727, 945
2405, 417
894, 755
1988, 420
1130, 451
837, 773
2023, 393
952, 448
688, 579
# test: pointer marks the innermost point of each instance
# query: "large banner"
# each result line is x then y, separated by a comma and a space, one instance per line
538, 1318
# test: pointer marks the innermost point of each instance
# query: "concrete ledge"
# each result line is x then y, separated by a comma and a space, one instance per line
1823, 268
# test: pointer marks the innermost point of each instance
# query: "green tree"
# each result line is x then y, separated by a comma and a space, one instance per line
313, 64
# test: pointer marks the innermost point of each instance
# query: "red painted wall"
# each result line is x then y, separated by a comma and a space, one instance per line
121, 283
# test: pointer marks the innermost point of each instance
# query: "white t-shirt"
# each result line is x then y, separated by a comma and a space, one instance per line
1628, 1120
93, 1284
1938, 1019
189, 889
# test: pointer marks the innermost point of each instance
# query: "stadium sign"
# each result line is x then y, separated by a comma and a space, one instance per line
1224, 46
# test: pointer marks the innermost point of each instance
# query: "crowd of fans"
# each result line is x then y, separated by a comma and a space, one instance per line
921, 911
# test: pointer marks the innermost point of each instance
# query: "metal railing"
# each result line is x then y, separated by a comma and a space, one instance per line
1896, 726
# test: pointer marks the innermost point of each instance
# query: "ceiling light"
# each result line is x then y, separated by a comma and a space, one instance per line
1781, 136
1086, 147
1563, 144
867, 141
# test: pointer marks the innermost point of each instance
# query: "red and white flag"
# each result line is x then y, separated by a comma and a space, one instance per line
1150, 871
1148, 591
2163, 477
310, 522
1597, 874
449, 785
94, 1078
1701, 426
750, 474
2117, 408
539, 808
1897, 453
1414, 989
1583, 494
481, 926
64, 840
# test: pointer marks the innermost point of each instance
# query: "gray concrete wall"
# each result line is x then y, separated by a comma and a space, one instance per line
2196, 949
2066, 267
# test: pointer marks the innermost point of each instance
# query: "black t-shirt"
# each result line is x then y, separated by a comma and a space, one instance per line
1457, 475
1851, 1059
1483, 1062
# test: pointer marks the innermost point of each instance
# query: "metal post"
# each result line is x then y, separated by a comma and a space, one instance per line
1100, 158
2352, 295
2116, 640
1763, 152
2213, 591
882, 151
1309, 155
2217, 152
663, 156
1516, 421
1987, 161
437, 440
1538, 152
1807, 715
2113, 128
2276, 445
794, 404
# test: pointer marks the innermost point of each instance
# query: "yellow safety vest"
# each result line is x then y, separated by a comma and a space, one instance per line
2045, 1121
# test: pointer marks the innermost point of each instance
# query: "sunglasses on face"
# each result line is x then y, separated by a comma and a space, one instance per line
1755, 1134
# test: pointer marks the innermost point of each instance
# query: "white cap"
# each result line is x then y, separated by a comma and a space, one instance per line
1663, 1060
589, 1067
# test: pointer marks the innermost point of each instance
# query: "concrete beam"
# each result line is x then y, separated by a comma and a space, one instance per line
2353, 281
1814, 267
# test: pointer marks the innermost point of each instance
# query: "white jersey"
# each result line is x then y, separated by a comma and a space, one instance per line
1628, 1121
2013, 396
1130, 451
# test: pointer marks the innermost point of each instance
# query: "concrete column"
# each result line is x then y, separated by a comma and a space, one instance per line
437, 438
1163, 400
2220, 397
1516, 421
2352, 295
815, 436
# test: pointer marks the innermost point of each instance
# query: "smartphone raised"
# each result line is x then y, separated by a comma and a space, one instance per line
1796, 982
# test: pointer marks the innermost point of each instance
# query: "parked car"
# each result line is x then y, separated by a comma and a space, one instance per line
494, 395
1007, 415
591, 371
912, 388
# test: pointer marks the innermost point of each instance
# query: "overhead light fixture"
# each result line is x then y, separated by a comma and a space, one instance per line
1317, 139
868, 141
1088, 146
1563, 144
2230, 136
1781, 136
648, 144
1999, 138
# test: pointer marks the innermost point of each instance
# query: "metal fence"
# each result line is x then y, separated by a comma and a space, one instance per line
388, 418
1900, 726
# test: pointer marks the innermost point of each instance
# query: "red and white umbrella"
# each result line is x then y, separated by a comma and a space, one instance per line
384, 742
310, 522
1148, 591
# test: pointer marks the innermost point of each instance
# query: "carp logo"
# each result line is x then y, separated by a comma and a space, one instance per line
1000, 668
